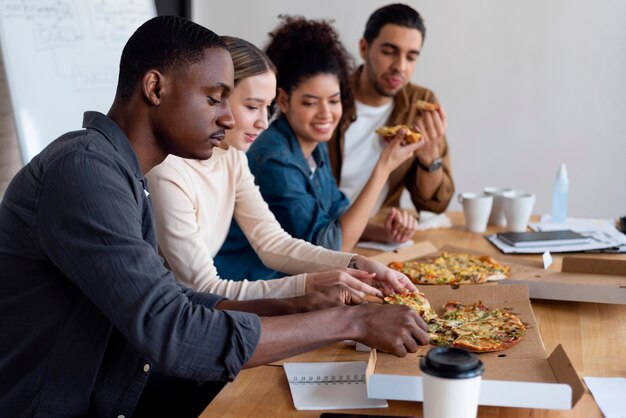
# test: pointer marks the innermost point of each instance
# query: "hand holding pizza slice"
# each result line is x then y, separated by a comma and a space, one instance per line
410, 135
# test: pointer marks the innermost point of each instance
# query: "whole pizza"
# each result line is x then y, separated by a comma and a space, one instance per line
452, 269
474, 327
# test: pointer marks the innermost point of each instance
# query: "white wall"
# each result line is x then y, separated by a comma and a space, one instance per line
526, 86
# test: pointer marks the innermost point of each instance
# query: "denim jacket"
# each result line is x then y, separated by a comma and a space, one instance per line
307, 205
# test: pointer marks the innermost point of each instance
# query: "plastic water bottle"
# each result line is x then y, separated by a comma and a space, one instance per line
559, 196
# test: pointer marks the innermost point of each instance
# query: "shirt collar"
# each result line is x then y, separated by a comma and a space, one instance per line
114, 134
294, 146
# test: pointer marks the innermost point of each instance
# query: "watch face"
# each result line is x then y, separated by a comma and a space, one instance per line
435, 165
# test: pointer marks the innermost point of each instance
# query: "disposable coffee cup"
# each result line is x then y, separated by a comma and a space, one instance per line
476, 209
451, 383
497, 217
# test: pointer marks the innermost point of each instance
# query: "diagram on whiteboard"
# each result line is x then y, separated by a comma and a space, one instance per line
61, 59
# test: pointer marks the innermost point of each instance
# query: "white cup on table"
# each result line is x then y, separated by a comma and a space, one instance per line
451, 383
497, 217
476, 209
518, 206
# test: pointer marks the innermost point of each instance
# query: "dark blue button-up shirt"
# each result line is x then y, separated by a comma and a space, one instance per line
86, 306
307, 205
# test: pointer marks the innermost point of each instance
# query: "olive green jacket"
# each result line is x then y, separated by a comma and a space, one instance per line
404, 112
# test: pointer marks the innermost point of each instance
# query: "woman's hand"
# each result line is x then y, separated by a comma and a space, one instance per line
395, 153
400, 225
388, 280
359, 281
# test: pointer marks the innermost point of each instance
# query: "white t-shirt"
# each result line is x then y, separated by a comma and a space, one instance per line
361, 150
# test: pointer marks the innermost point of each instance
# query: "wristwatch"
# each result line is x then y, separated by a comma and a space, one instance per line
434, 166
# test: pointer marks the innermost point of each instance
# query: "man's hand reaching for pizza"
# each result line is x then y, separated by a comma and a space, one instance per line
387, 280
397, 331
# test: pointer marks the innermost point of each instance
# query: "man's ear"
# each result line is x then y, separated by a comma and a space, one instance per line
152, 85
282, 99
363, 46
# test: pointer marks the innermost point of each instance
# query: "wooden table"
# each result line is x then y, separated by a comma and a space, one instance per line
593, 335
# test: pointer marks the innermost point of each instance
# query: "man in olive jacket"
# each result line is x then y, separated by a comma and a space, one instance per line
390, 48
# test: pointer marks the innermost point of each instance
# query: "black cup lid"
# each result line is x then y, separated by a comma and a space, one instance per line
451, 363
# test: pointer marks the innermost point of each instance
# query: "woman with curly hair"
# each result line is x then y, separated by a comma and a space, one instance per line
195, 200
290, 159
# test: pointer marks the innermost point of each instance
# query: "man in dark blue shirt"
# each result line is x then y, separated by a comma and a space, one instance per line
87, 309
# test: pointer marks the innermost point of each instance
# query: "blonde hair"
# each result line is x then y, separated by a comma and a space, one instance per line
248, 60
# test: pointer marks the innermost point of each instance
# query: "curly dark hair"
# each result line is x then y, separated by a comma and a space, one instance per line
302, 48
163, 43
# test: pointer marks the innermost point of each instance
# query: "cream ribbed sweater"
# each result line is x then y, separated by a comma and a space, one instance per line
194, 202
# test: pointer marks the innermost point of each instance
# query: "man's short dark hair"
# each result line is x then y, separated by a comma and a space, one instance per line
395, 14
163, 43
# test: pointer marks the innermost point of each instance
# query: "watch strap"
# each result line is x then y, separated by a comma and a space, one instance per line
434, 166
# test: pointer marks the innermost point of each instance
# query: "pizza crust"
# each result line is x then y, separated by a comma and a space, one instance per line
424, 105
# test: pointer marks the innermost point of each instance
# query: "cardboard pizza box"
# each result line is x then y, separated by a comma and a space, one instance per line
522, 376
582, 278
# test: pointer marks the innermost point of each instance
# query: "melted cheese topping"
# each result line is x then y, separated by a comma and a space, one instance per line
473, 327
452, 268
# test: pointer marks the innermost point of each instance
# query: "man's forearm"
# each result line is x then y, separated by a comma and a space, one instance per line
428, 183
285, 336
261, 307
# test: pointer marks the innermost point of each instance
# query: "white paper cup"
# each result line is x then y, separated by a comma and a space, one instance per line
518, 206
497, 217
476, 209
451, 383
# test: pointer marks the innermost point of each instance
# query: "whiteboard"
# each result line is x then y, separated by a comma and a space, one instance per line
62, 59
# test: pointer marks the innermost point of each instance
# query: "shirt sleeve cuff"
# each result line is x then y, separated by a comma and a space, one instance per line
210, 300
245, 336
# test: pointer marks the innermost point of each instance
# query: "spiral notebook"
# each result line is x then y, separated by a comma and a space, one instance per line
336, 385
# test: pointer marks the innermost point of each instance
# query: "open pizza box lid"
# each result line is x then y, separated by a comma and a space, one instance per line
522, 376
583, 278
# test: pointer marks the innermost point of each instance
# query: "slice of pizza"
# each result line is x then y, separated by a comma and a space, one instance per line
416, 301
430, 271
424, 105
389, 132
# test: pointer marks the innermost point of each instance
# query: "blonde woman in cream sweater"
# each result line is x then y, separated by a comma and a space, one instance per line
194, 202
